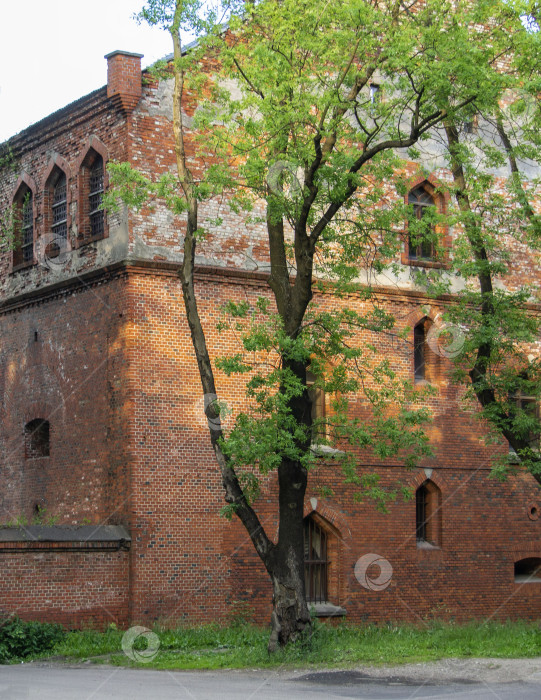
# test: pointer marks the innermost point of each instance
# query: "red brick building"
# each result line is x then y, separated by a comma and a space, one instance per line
105, 461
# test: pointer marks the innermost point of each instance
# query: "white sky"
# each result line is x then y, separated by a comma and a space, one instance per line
51, 53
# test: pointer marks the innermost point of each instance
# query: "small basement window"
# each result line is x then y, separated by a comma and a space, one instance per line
528, 570
36, 438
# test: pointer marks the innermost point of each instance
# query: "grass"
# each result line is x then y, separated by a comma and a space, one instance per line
244, 646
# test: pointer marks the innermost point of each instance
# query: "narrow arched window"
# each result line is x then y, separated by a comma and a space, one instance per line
315, 562
95, 196
419, 352
91, 179
428, 515
36, 438
23, 205
420, 238
59, 207
526, 416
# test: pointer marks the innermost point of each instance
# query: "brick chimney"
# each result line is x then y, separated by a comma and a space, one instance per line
124, 79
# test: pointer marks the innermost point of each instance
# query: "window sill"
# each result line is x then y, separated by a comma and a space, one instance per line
82, 242
22, 266
423, 544
324, 450
527, 579
326, 610
419, 262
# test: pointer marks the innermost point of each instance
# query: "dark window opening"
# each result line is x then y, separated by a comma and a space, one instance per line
469, 125
36, 439
95, 196
419, 352
315, 562
420, 245
421, 498
428, 515
528, 570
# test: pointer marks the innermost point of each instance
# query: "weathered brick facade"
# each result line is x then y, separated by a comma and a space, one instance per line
95, 342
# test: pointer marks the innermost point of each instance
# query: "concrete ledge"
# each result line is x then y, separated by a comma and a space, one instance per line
327, 610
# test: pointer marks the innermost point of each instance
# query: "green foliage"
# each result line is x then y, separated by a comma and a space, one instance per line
19, 640
41, 517
242, 645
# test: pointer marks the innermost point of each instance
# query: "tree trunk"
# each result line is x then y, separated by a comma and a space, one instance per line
290, 616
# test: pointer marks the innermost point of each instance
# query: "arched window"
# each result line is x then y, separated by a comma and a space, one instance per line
315, 562
419, 351
525, 412
428, 514
528, 570
55, 212
59, 206
92, 223
95, 196
23, 206
36, 438
420, 233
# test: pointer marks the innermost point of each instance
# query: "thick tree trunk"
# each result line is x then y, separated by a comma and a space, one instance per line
290, 616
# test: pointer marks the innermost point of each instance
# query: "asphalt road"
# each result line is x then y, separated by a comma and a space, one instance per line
55, 682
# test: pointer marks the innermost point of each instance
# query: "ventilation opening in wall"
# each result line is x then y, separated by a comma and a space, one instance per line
36, 438
528, 570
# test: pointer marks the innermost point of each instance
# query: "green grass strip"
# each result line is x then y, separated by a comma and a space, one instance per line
245, 646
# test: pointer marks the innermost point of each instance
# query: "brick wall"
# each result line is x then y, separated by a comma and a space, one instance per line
77, 589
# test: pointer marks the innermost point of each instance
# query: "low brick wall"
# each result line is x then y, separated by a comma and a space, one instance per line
72, 578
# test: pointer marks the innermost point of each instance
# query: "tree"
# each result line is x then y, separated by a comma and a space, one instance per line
304, 132
496, 307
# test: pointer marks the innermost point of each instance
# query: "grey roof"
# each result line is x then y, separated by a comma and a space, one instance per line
56, 533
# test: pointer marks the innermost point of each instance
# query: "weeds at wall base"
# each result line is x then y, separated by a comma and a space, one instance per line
245, 646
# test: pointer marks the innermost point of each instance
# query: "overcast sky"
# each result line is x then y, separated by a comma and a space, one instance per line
51, 53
